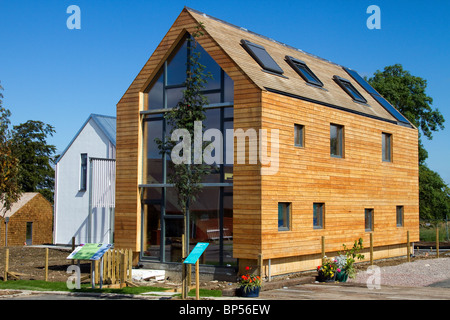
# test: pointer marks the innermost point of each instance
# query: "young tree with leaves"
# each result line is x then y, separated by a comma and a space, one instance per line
9, 164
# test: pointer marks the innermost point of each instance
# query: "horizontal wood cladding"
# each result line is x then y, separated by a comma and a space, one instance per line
346, 185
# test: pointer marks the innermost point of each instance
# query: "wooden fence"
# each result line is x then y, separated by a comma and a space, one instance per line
117, 268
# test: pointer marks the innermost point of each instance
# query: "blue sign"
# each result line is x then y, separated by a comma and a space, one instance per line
196, 253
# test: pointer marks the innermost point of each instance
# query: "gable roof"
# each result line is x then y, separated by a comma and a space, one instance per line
24, 199
229, 38
106, 123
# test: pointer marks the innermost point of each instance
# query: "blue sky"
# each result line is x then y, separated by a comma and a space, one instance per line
60, 76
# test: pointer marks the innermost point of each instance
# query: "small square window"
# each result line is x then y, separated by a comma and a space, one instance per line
400, 213
336, 141
368, 217
299, 131
284, 213
318, 215
304, 71
347, 86
386, 146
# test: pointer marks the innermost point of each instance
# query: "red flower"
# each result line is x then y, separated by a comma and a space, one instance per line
247, 268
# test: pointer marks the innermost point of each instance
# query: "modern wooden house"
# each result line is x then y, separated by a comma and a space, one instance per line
28, 222
345, 165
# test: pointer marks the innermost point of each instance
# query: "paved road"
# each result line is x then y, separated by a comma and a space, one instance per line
325, 291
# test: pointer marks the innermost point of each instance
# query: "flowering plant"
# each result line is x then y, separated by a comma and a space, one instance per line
249, 281
328, 269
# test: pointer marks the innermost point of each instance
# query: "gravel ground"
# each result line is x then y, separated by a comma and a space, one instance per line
418, 273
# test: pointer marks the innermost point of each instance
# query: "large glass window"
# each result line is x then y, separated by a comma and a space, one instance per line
211, 215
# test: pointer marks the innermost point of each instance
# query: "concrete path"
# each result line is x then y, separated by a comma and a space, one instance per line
325, 291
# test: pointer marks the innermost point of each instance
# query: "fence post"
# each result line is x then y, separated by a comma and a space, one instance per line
371, 249
437, 242
323, 249
5, 277
46, 264
408, 247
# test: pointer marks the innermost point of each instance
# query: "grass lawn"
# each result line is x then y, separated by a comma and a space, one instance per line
40, 285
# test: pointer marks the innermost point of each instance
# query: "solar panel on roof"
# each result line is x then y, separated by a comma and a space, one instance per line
261, 56
389, 108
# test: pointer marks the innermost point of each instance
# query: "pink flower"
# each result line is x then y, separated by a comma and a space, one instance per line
338, 270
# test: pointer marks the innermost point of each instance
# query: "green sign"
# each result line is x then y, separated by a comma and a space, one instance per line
89, 251
196, 253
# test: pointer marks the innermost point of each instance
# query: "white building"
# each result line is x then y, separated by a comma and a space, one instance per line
85, 184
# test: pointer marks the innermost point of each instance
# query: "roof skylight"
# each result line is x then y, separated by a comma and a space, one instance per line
303, 70
261, 56
347, 86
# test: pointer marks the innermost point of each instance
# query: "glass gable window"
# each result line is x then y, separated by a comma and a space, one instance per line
261, 56
336, 141
167, 88
347, 86
386, 141
303, 70
211, 215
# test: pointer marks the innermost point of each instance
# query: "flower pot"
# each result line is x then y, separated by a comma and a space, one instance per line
342, 276
250, 292
323, 278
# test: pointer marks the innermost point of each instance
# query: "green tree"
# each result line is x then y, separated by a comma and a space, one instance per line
407, 94
29, 145
9, 165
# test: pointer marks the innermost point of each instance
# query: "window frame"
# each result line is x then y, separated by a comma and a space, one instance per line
286, 216
301, 68
340, 141
350, 89
83, 171
400, 222
320, 222
371, 213
385, 148
300, 143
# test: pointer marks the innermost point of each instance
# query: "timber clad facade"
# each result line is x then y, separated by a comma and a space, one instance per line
271, 215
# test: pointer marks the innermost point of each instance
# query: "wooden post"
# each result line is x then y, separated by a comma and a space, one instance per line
260, 265
5, 277
73, 248
183, 269
197, 280
371, 249
437, 242
323, 249
46, 264
408, 247
122, 270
